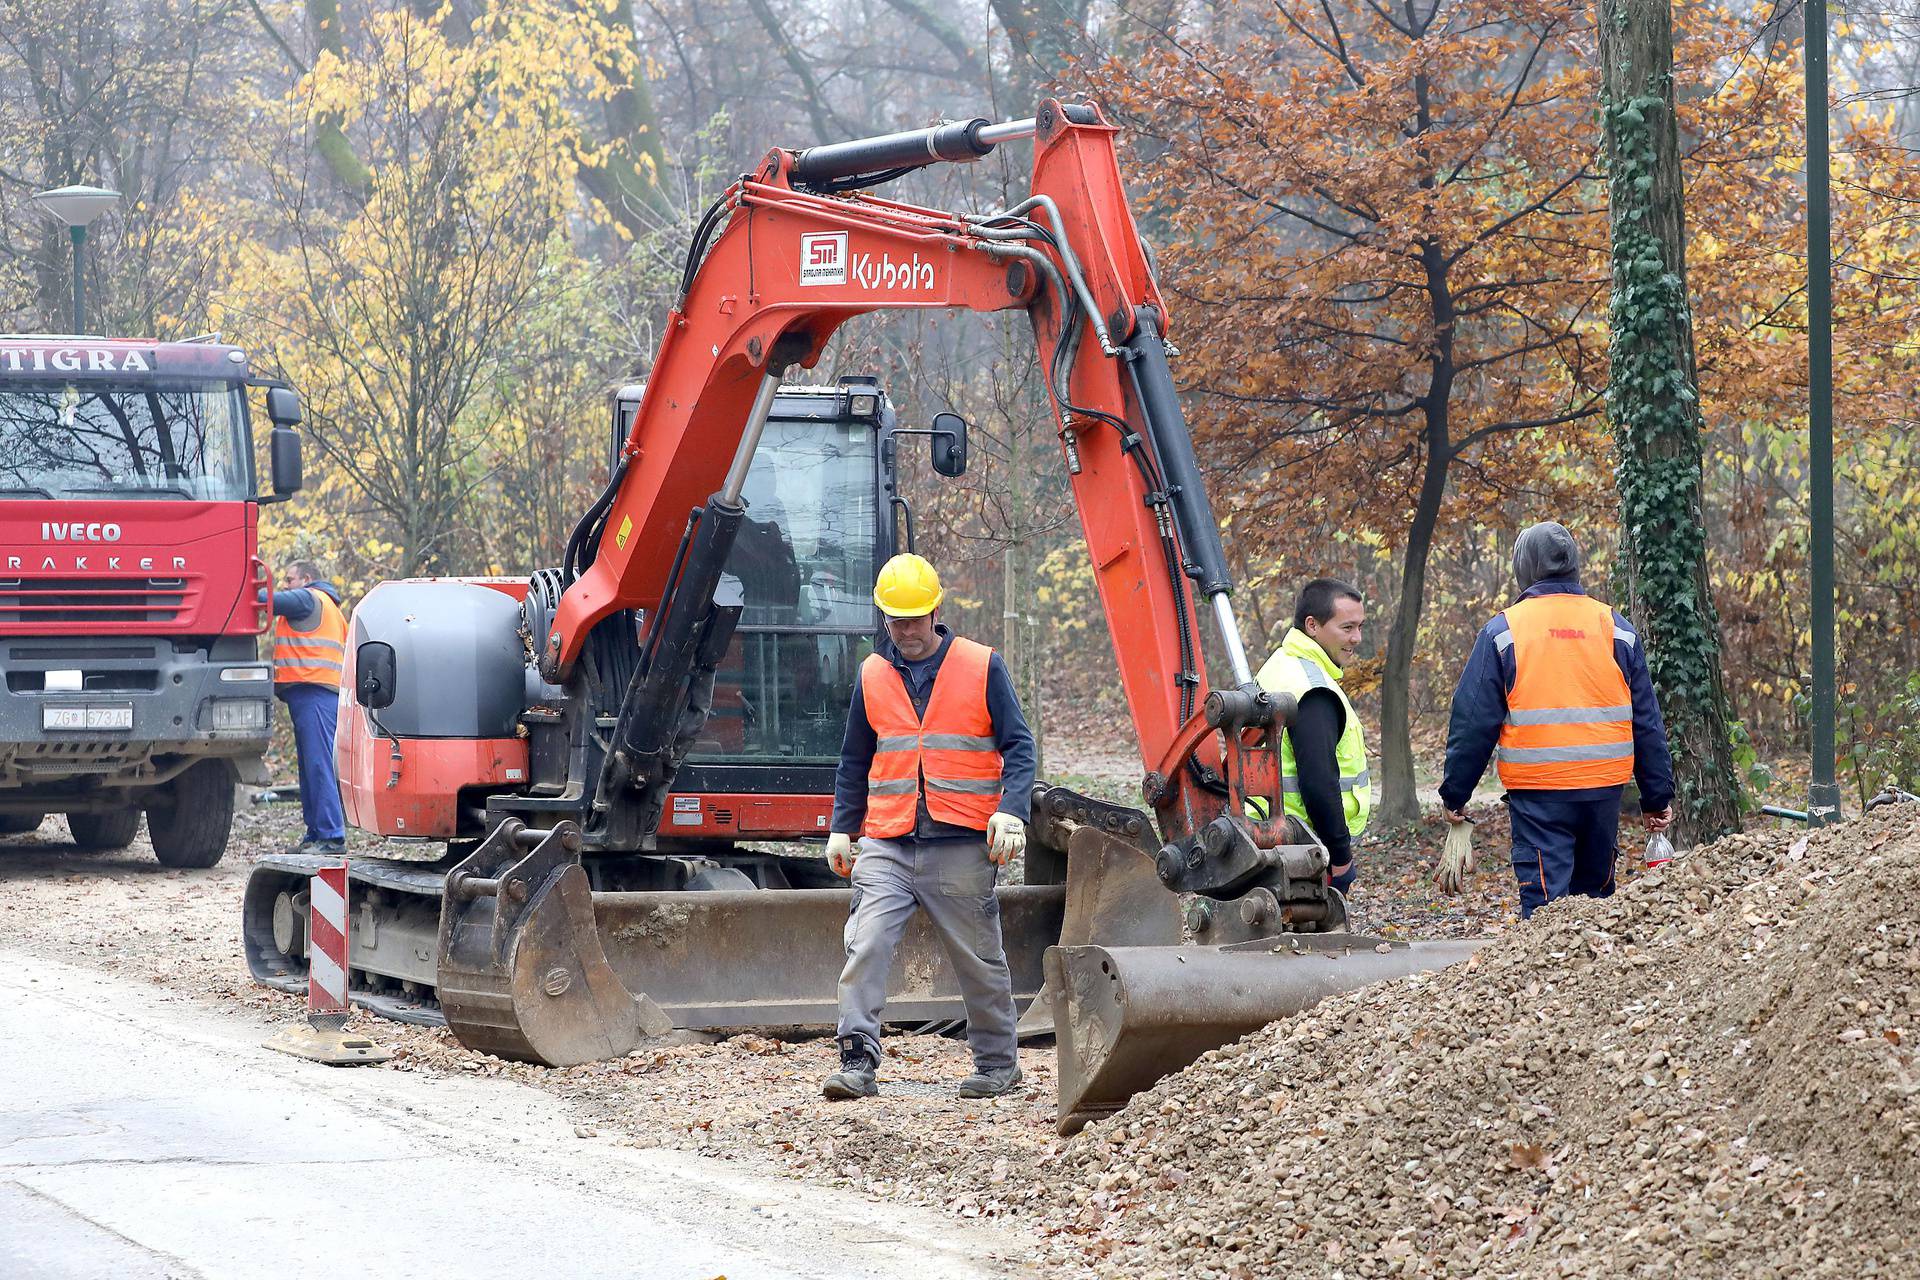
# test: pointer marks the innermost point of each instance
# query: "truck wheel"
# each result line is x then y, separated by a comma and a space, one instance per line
114, 830
189, 828
20, 824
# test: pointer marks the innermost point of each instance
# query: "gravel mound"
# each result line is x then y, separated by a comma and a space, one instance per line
1712, 1073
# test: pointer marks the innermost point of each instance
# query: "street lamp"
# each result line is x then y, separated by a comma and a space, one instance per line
1823, 794
75, 208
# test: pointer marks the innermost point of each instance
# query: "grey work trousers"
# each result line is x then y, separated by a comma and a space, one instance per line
952, 881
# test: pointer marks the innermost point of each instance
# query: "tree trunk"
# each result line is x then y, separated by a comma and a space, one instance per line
1043, 36
1654, 404
1399, 802
628, 181
328, 139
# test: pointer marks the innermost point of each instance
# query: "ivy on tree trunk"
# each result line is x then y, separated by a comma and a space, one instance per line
1653, 403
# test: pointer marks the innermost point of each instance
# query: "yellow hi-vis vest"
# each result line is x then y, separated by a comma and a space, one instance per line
1298, 666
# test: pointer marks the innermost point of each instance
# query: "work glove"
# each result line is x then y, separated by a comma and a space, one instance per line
841, 853
1006, 836
1456, 860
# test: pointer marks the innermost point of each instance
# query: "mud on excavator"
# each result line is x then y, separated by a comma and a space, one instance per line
599, 744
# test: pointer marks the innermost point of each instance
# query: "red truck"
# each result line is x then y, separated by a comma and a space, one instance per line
132, 594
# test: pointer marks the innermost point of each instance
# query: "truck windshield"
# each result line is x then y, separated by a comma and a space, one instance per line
133, 439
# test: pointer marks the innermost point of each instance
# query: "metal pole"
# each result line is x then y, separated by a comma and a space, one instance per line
79, 235
1008, 130
1230, 636
750, 438
1823, 796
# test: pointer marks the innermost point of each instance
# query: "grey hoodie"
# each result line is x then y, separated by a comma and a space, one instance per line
1545, 550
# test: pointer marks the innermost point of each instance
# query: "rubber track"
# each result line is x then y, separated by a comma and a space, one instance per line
290, 975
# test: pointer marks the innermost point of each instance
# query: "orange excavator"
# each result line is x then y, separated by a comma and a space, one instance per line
560, 713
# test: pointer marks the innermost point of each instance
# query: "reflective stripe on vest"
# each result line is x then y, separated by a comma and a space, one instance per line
952, 751
1297, 667
311, 657
1570, 714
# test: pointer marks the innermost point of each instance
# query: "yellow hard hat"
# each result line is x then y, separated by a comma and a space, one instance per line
907, 587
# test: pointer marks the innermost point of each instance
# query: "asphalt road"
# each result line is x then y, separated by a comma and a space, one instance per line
142, 1135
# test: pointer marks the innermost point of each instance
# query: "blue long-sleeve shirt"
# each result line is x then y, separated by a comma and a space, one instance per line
298, 607
1480, 708
1011, 737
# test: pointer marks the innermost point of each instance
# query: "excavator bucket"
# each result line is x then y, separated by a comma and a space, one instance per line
1127, 1016
1113, 896
522, 974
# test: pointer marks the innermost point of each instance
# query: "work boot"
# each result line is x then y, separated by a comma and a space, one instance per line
990, 1084
854, 1079
320, 846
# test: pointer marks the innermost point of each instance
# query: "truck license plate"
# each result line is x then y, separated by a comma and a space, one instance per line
86, 717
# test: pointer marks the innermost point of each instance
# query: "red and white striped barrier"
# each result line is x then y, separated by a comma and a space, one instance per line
327, 947
323, 1037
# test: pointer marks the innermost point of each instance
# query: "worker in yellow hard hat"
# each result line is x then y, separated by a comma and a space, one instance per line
936, 777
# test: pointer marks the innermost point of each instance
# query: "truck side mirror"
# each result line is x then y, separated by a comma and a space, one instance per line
374, 675
949, 444
284, 457
283, 406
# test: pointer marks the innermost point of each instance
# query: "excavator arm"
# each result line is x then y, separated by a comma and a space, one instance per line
787, 256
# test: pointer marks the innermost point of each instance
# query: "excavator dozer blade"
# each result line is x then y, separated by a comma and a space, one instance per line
733, 958
534, 966
1130, 1015
522, 974
1115, 899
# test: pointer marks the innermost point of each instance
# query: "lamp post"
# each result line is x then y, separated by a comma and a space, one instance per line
1823, 795
76, 208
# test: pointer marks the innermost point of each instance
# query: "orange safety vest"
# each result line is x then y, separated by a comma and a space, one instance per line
311, 657
1570, 714
951, 752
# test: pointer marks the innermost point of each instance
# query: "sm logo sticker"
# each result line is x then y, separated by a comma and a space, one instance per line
823, 258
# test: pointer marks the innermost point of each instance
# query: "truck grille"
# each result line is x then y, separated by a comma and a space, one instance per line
26, 601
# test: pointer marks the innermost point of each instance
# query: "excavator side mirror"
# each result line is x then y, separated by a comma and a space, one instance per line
374, 675
949, 444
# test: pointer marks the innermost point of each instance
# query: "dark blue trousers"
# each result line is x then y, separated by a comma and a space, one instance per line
315, 710
1563, 846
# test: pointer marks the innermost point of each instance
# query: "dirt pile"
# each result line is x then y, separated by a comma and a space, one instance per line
1712, 1073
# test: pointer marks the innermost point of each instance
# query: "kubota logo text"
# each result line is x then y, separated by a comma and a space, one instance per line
885, 273
76, 532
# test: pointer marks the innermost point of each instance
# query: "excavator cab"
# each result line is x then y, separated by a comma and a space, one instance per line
820, 519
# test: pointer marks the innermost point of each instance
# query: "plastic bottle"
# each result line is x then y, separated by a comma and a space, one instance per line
1659, 851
